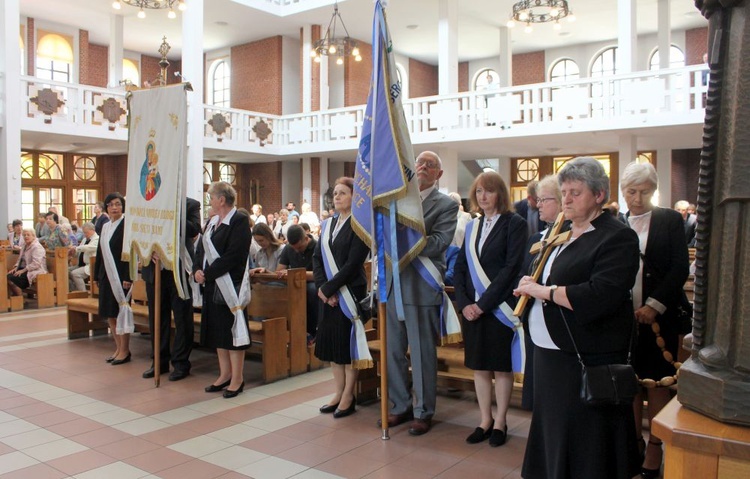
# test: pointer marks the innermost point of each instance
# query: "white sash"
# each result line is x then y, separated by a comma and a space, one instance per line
360, 353
450, 327
236, 303
125, 323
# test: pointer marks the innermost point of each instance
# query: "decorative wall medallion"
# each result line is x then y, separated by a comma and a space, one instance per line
262, 130
111, 110
48, 102
219, 124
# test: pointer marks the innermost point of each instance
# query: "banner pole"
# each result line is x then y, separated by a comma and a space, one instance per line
157, 322
382, 320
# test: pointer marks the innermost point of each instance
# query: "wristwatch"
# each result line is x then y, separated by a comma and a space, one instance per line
552, 290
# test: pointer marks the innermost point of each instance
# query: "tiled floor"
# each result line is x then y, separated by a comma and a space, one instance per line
65, 413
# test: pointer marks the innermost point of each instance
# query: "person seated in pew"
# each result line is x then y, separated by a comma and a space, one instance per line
267, 259
299, 254
31, 263
15, 236
56, 236
79, 273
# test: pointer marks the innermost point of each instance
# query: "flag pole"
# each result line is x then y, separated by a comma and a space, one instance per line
156, 333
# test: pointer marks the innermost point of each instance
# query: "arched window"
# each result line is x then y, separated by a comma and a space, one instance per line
54, 57
228, 173
130, 71
219, 83
676, 58
563, 70
486, 79
605, 63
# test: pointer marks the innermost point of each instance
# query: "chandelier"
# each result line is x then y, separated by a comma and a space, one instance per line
540, 11
334, 46
152, 4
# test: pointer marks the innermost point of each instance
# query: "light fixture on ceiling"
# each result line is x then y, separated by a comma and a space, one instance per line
153, 5
334, 46
540, 11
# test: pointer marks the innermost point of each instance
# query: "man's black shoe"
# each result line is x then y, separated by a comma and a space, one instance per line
178, 374
149, 373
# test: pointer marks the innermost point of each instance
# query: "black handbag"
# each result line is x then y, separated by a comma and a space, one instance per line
364, 309
219, 297
608, 384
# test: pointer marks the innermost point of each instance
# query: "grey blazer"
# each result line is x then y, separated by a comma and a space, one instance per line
439, 213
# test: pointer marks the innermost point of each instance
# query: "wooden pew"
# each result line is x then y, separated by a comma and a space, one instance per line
284, 298
52, 288
4, 294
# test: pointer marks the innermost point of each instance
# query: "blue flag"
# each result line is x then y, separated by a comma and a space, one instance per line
386, 207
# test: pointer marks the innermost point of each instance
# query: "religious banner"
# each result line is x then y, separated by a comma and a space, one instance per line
157, 157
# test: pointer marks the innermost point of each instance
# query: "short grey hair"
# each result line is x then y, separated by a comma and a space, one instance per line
455, 197
222, 188
88, 226
549, 183
638, 174
434, 156
587, 170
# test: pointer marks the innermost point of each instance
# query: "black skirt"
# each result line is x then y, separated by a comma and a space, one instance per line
648, 359
108, 305
569, 440
332, 343
22, 280
487, 344
216, 322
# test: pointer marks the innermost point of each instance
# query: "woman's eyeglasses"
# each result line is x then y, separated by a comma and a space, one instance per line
542, 200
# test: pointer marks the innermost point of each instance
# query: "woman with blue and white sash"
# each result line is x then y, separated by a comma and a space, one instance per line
338, 268
220, 267
113, 277
485, 273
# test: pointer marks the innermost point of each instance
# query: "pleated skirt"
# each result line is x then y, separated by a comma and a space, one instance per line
570, 440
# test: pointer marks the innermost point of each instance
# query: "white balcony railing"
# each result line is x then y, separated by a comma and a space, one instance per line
655, 98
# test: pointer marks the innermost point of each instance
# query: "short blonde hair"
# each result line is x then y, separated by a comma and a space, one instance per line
549, 183
225, 190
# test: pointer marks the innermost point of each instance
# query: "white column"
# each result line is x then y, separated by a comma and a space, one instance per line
664, 35
627, 41
306, 189
116, 50
628, 153
322, 182
506, 58
664, 171
10, 133
324, 89
306, 69
448, 47
192, 70
449, 181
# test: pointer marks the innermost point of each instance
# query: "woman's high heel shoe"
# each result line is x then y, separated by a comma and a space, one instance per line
230, 394
124, 360
214, 388
339, 413
652, 473
328, 409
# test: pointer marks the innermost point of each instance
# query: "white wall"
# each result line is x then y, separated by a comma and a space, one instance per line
290, 89
291, 183
335, 84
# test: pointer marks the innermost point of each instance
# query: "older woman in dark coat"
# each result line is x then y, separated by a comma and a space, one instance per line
229, 233
585, 284
657, 295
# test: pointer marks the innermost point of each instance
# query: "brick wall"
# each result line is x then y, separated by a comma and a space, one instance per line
98, 72
269, 175
83, 57
696, 44
423, 79
315, 182
357, 76
463, 76
528, 68
256, 76
30, 47
685, 168
150, 70
314, 74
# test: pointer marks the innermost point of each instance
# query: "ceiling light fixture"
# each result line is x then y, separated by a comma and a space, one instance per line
332, 45
153, 5
540, 11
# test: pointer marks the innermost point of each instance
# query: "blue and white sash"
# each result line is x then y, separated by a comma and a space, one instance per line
236, 303
450, 327
503, 313
360, 353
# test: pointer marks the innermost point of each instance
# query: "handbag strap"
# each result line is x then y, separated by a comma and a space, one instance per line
575, 346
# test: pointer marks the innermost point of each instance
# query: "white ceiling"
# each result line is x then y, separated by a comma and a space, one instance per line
230, 23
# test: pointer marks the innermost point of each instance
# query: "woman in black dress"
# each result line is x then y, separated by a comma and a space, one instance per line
656, 297
112, 234
588, 280
334, 331
497, 240
229, 232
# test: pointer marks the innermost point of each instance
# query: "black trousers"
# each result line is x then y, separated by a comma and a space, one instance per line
171, 303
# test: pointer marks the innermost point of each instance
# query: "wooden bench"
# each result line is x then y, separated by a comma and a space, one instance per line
7, 260
51, 289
